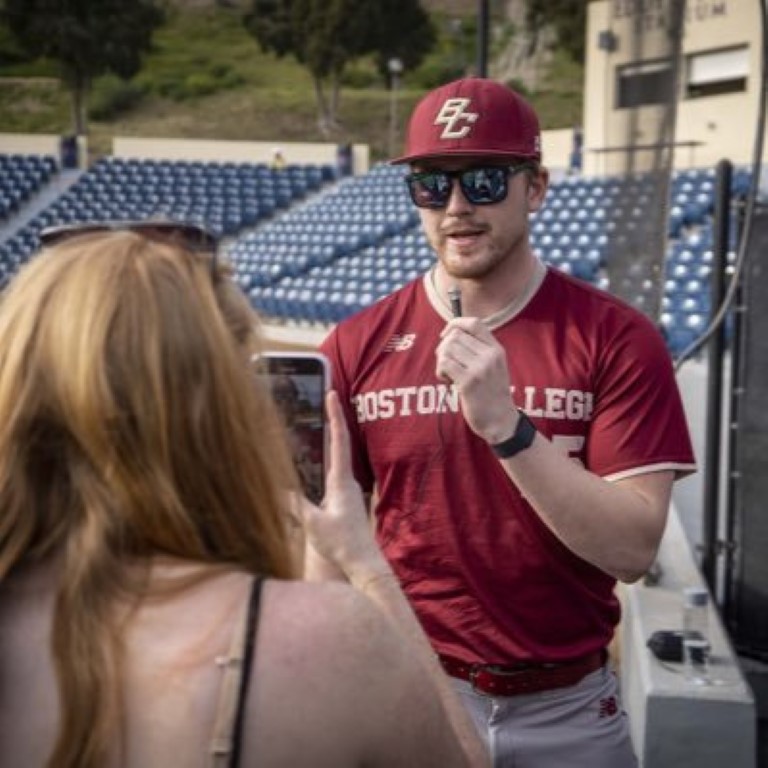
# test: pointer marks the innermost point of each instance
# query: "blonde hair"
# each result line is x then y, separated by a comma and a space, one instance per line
130, 427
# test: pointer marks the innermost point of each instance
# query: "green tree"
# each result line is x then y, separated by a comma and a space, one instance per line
327, 35
85, 38
569, 19
404, 31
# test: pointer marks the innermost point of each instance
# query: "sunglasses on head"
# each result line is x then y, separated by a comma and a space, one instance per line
190, 236
481, 185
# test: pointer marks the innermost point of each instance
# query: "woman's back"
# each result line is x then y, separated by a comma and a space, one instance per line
328, 686
131, 427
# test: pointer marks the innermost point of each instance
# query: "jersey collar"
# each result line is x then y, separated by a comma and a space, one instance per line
505, 314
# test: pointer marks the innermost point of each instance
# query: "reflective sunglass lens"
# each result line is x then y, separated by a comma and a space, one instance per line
429, 190
484, 186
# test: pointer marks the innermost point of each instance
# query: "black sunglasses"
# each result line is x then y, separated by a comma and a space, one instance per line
190, 236
482, 185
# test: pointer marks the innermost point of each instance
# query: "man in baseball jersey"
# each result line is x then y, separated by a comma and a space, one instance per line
520, 431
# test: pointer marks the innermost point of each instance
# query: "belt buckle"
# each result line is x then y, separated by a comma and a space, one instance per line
476, 668
501, 672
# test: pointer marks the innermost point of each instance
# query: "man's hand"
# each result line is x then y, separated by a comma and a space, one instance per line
469, 356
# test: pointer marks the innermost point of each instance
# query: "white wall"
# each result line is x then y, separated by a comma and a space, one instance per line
29, 144
556, 149
236, 151
37, 144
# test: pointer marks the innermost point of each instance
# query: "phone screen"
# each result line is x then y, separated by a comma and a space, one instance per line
298, 383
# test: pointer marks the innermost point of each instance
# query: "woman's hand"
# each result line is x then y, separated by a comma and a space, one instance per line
339, 530
340, 533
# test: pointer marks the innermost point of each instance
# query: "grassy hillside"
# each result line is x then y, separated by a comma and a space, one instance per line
207, 78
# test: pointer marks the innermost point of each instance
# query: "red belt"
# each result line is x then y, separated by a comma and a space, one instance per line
499, 680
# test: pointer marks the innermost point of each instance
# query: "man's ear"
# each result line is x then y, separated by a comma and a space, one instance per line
538, 184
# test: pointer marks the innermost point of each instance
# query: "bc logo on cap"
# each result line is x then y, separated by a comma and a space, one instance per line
451, 114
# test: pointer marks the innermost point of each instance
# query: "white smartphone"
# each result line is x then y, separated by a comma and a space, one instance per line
298, 382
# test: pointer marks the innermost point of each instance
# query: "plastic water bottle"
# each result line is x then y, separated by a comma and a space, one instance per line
696, 645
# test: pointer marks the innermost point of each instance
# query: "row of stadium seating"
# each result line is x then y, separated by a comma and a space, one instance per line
21, 177
226, 197
307, 249
325, 287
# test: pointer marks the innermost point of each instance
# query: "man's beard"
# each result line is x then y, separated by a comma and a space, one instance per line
472, 268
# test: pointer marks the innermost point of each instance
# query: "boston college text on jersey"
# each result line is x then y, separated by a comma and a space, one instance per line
544, 402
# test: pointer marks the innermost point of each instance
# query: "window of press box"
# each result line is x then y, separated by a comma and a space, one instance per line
712, 73
647, 82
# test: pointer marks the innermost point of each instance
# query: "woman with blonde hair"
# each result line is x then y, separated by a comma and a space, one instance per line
150, 613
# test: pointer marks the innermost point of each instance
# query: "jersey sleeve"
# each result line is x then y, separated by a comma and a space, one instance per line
639, 424
333, 348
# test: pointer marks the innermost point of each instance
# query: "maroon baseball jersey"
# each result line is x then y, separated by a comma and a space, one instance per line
488, 580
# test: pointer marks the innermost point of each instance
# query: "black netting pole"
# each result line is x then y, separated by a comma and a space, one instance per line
482, 38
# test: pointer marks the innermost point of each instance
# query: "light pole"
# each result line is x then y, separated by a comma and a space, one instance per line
395, 67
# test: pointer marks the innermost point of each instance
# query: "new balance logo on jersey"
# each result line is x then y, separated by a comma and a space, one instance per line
400, 343
456, 119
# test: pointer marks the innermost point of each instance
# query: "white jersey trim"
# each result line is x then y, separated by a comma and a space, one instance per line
680, 470
497, 319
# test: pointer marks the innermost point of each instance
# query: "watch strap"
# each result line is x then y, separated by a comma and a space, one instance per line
525, 432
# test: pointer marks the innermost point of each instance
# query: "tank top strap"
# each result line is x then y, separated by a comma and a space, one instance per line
226, 742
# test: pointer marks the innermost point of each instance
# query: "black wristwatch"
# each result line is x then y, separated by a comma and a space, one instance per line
520, 440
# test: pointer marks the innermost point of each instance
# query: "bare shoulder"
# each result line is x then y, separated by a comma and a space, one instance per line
334, 685
328, 632
319, 612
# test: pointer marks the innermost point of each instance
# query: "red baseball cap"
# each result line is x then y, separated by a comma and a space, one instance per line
472, 116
